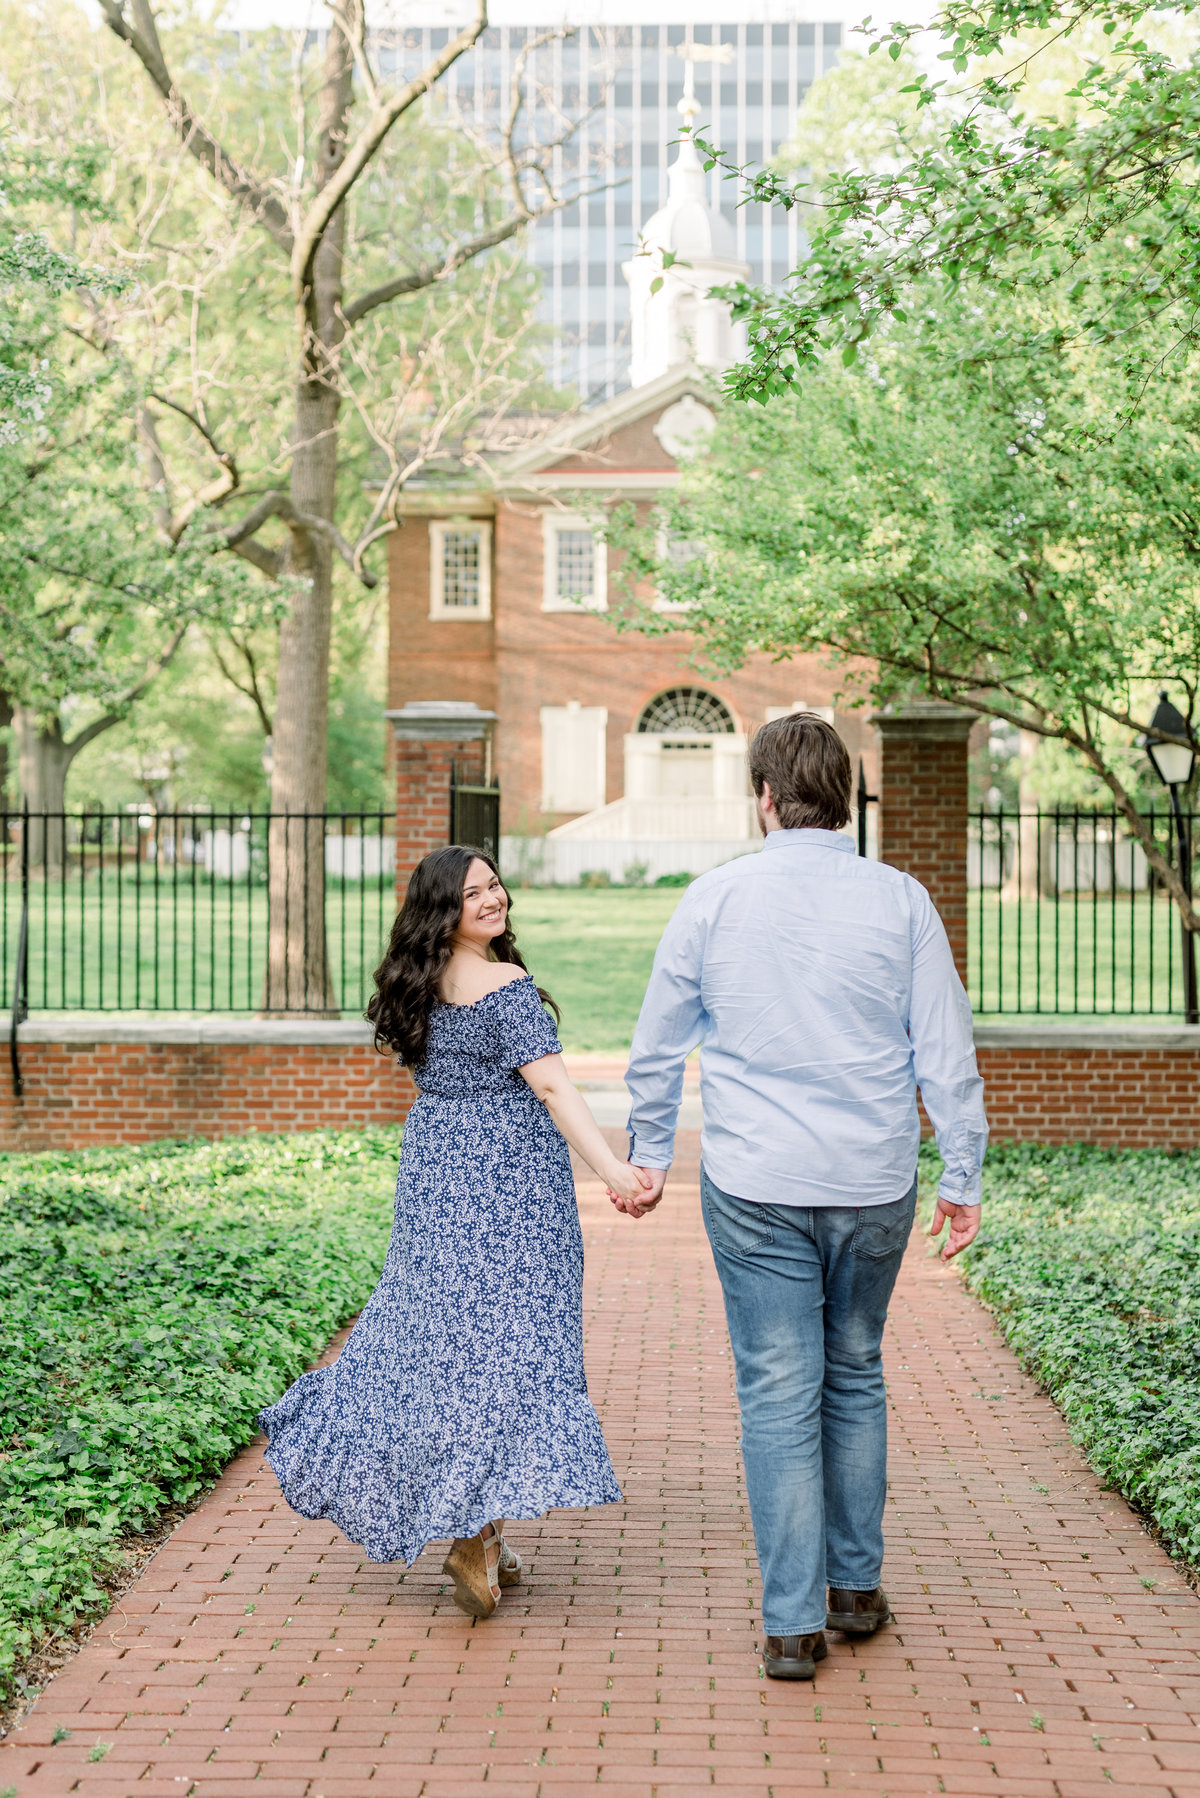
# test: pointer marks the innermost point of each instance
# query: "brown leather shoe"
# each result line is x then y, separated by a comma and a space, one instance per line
857, 1613
794, 1657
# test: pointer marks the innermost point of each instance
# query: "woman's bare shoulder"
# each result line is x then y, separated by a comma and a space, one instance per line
502, 973
476, 979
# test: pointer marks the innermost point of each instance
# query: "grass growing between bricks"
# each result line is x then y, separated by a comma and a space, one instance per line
1090, 1260
155, 1298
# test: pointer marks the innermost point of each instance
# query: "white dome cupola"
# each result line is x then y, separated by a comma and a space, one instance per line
675, 321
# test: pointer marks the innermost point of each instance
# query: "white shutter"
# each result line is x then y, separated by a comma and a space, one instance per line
573, 757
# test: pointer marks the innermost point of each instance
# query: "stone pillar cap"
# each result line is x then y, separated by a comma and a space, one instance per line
441, 720
928, 718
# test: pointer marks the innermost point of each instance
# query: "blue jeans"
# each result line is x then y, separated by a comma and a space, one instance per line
806, 1296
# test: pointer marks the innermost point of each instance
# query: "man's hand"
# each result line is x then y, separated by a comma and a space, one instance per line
964, 1226
653, 1180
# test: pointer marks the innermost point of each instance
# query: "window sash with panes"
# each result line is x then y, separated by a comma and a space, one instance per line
460, 584
461, 558
575, 567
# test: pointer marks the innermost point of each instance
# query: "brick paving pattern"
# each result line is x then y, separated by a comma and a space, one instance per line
1043, 1646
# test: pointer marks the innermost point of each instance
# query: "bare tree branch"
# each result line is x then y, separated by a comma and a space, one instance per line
515, 166
432, 272
117, 712
271, 562
218, 489
224, 457
253, 691
277, 504
133, 22
362, 150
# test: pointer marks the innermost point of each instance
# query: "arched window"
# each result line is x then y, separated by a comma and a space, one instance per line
687, 712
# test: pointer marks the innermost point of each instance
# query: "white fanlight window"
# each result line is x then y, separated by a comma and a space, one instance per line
575, 564
573, 756
460, 568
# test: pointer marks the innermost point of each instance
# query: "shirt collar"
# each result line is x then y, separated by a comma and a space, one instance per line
809, 839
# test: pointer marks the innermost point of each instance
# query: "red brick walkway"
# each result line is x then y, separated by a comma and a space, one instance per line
1042, 1644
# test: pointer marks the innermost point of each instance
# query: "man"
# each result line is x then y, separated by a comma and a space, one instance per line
823, 991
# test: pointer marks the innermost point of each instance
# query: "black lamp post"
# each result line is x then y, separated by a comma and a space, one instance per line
864, 800
1174, 763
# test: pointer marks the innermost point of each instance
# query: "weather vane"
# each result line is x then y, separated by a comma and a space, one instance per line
689, 106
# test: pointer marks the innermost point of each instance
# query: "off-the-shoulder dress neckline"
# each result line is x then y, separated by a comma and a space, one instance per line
451, 1006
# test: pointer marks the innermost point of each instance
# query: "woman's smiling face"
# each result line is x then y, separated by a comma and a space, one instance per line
485, 906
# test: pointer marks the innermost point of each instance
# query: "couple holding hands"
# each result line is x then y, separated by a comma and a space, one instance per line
822, 992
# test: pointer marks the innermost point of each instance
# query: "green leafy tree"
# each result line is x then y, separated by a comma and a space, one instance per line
1084, 199
94, 598
933, 524
352, 238
32, 269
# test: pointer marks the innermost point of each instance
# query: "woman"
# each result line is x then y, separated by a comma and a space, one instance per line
459, 1399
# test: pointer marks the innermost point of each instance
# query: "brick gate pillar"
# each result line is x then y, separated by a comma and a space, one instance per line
431, 738
923, 807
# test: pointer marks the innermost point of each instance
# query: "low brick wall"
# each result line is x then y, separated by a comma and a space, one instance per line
1129, 1087
89, 1081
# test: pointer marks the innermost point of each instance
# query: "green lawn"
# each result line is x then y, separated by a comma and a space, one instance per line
154, 1300
1078, 955
170, 940
1090, 1259
592, 949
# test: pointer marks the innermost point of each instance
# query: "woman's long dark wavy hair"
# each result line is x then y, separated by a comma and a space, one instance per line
408, 979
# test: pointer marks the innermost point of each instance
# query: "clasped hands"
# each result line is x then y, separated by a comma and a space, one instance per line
635, 1190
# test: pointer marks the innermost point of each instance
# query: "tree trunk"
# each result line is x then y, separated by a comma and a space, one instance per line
43, 758
298, 974
6, 719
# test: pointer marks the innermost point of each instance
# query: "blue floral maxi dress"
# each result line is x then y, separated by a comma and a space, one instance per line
460, 1394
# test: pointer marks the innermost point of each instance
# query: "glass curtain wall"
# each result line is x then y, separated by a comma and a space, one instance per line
628, 80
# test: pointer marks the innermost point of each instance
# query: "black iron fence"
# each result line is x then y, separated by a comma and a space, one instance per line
1067, 916
187, 911
153, 911
475, 816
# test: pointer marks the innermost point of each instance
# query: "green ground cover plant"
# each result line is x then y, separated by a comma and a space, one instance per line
1090, 1259
154, 1299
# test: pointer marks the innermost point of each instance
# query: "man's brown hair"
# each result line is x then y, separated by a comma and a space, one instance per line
806, 765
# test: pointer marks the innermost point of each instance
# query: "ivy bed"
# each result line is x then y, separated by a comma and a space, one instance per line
153, 1300
1090, 1260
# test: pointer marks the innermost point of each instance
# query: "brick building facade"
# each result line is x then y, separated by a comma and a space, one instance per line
504, 597
610, 746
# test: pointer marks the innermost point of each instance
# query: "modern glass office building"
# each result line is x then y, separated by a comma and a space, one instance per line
627, 76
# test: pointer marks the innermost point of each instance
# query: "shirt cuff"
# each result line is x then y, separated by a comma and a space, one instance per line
660, 1156
959, 1190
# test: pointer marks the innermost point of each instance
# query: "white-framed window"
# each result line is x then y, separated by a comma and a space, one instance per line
670, 546
460, 568
573, 754
575, 562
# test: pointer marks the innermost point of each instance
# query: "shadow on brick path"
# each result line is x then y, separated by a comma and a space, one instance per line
1043, 1645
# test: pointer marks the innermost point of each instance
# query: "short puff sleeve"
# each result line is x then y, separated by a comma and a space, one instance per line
524, 1027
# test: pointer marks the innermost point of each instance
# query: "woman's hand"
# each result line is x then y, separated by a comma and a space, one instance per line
627, 1185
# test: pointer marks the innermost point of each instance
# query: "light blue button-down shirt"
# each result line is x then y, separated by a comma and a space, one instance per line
823, 992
